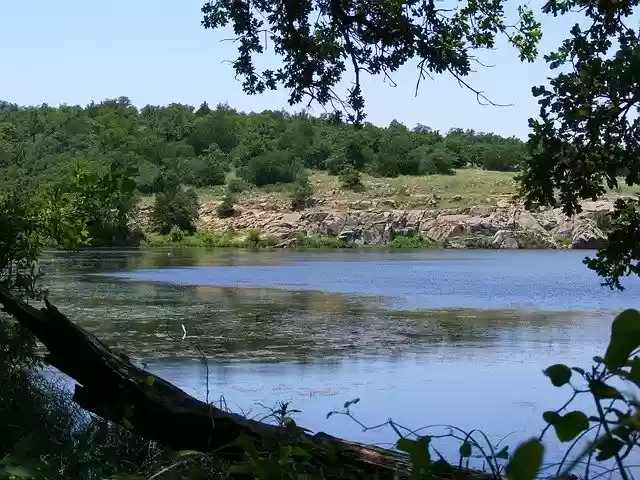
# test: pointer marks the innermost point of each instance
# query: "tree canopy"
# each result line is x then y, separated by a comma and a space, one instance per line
586, 138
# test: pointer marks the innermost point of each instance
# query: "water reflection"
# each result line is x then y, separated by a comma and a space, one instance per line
264, 324
473, 367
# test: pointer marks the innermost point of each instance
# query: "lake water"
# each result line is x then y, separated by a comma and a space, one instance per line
435, 337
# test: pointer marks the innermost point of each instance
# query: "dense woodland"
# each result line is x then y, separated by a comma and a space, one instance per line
101, 157
202, 145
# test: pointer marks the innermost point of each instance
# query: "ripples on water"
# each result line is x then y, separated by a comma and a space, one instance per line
436, 337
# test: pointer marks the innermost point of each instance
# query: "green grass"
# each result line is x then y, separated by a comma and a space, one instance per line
207, 239
415, 241
468, 187
316, 241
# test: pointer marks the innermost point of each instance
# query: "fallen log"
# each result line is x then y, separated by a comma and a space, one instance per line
110, 386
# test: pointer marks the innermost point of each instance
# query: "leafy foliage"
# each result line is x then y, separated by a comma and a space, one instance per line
319, 40
301, 192
175, 207
586, 138
350, 178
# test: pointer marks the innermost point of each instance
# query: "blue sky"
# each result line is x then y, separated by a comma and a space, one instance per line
156, 52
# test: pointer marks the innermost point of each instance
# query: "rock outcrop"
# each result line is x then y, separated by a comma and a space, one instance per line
507, 225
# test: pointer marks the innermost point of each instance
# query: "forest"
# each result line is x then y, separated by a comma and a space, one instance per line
102, 157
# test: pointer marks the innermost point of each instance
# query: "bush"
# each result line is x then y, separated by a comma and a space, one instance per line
350, 179
316, 241
226, 209
413, 241
148, 172
271, 167
235, 185
336, 163
176, 234
437, 162
301, 192
316, 155
253, 239
205, 171
175, 208
504, 157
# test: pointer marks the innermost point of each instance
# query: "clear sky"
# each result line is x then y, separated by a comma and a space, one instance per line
156, 52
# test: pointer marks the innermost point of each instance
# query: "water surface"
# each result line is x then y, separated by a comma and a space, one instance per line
453, 337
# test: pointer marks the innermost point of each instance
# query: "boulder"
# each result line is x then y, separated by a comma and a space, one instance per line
350, 238
587, 235
446, 226
376, 234
525, 221
290, 220
333, 224
504, 239
481, 210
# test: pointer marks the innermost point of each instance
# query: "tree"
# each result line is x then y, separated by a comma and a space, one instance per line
301, 191
106, 201
586, 139
320, 39
203, 110
175, 206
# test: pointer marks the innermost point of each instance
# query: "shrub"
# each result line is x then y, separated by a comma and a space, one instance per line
275, 166
413, 241
252, 238
350, 178
176, 234
316, 241
505, 157
395, 157
148, 172
175, 208
336, 163
317, 154
235, 185
205, 171
301, 192
226, 209
437, 162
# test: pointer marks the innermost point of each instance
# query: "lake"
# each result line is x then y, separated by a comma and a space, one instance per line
434, 337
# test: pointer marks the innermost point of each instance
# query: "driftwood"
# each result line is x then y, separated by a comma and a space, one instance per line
110, 386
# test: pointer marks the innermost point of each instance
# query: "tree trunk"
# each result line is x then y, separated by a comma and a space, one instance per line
110, 386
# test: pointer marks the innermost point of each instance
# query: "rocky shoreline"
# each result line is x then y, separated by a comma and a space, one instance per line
505, 225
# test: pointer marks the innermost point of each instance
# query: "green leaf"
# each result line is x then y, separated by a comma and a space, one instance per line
247, 445
625, 338
149, 380
559, 374
503, 454
602, 391
300, 452
18, 471
418, 451
465, 450
608, 448
550, 417
571, 425
526, 461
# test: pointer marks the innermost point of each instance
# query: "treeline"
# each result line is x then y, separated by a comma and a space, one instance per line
201, 146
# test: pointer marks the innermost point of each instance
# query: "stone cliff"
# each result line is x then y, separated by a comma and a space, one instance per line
505, 225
